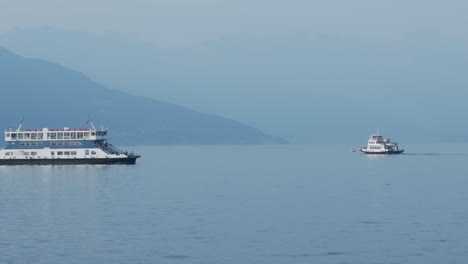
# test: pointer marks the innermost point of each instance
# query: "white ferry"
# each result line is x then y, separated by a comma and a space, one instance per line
61, 146
379, 145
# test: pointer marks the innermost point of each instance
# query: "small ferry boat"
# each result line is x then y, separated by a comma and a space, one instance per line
61, 147
379, 145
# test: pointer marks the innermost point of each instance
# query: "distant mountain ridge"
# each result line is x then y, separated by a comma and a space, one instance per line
49, 95
310, 88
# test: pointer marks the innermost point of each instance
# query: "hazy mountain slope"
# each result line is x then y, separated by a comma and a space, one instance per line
46, 94
309, 88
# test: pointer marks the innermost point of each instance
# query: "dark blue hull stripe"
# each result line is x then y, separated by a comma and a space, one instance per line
129, 160
47, 144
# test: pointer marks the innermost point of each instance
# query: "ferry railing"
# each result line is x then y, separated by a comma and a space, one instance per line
111, 149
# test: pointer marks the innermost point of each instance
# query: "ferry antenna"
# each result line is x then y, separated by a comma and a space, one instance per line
20, 125
91, 123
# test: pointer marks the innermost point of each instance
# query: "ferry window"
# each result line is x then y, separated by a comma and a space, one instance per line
40, 136
66, 143
33, 143
93, 133
87, 152
22, 144
80, 135
53, 135
60, 135
7, 154
8, 135
60, 153
59, 143
33, 153
67, 153
53, 143
20, 135
27, 135
93, 152
34, 136
26, 153
73, 135
52, 153
73, 153
13, 136
40, 143
86, 134
66, 135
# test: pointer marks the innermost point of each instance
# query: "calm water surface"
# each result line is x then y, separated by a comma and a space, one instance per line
250, 204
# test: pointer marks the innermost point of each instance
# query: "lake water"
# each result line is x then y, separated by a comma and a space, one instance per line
241, 204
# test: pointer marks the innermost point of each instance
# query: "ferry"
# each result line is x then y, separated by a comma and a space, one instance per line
379, 145
61, 147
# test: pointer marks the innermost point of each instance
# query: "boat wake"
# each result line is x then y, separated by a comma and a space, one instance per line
436, 154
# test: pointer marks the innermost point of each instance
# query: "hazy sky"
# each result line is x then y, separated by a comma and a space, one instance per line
289, 68
185, 22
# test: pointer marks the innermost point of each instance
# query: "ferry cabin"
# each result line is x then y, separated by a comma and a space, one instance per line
377, 143
58, 144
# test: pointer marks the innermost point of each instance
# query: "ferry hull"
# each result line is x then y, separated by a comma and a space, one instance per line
383, 153
128, 160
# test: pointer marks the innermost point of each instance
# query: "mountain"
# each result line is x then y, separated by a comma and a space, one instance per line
49, 95
308, 88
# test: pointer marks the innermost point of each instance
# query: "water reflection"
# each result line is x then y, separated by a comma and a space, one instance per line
279, 204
